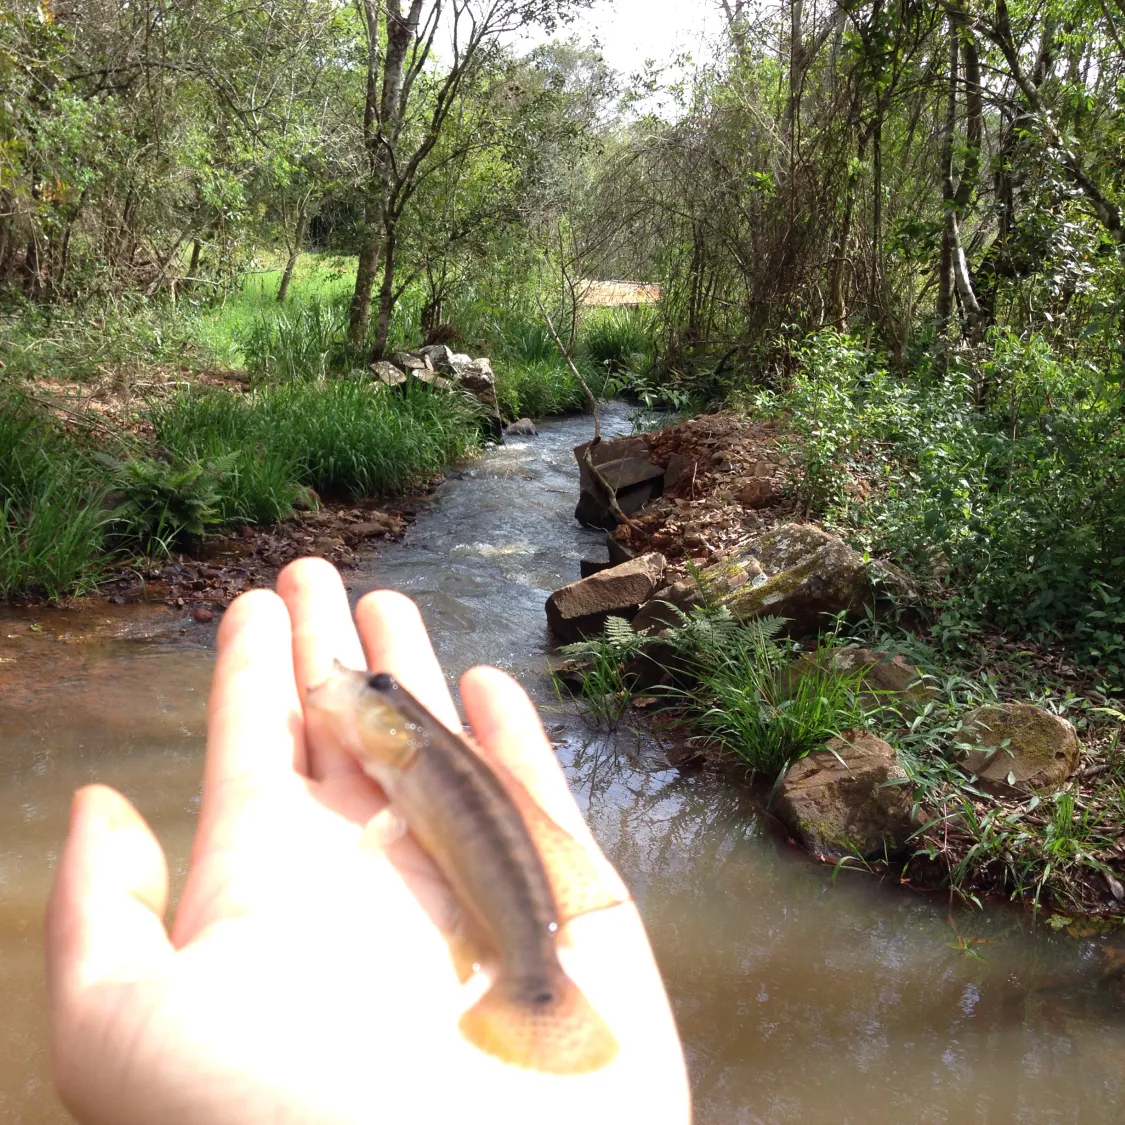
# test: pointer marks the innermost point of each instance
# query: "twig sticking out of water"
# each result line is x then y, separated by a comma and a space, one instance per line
587, 456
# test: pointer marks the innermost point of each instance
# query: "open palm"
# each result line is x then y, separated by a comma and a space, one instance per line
306, 976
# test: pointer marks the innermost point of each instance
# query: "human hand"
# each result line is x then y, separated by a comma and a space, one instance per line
305, 977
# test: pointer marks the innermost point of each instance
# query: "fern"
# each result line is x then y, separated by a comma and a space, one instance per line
161, 504
618, 639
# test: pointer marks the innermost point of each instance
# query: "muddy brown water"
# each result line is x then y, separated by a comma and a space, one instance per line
800, 998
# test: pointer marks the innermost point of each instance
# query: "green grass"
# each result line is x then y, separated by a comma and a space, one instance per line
225, 459
343, 436
537, 388
620, 339
222, 459
730, 682
607, 687
51, 519
747, 704
223, 329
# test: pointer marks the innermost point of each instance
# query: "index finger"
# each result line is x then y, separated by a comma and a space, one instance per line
255, 743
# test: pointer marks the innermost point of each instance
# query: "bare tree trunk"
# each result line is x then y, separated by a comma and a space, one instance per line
950, 196
158, 280
386, 296
5, 233
876, 297
367, 268
298, 244
32, 273
840, 262
945, 268
359, 311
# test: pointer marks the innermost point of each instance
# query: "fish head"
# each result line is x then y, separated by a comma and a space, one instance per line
356, 708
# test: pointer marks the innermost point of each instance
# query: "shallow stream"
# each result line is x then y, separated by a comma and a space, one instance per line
800, 998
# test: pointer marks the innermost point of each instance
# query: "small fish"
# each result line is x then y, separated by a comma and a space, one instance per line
516, 873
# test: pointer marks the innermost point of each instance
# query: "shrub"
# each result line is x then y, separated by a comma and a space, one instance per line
1005, 475
163, 505
606, 686
744, 698
733, 682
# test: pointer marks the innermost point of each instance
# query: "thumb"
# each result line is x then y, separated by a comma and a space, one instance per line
105, 918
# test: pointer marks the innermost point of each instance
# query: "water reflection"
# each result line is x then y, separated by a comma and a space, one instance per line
800, 999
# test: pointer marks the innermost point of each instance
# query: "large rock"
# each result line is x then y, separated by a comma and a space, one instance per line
432, 379
799, 572
477, 378
679, 470
884, 680
625, 465
580, 609
1019, 747
618, 552
859, 806
410, 362
521, 427
438, 356
658, 613
387, 373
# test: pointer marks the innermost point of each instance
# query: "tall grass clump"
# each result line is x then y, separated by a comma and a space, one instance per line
344, 437
354, 437
620, 339
732, 681
607, 685
537, 388
51, 518
744, 696
303, 341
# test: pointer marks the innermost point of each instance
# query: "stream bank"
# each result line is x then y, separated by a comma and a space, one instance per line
770, 644
800, 996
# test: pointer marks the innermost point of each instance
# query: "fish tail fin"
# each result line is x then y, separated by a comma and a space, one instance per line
555, 1031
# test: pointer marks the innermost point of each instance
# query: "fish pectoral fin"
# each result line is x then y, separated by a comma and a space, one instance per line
582, 882
382, 830
469, 948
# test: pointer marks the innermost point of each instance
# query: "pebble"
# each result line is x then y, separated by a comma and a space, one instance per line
204, 616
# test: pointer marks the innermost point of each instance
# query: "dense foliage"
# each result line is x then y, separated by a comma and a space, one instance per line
900, 225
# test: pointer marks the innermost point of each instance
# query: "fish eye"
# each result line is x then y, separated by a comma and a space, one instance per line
381, 681
542, 998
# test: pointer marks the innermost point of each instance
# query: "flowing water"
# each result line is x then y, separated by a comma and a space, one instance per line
800, 999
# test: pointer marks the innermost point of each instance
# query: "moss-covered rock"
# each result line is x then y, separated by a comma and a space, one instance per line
799, 572
1019, 747
885, 680
852, 798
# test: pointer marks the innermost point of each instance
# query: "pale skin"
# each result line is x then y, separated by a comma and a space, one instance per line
306, 976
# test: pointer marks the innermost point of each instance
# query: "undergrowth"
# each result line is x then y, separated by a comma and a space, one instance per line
51, 519
998, 480
731, 682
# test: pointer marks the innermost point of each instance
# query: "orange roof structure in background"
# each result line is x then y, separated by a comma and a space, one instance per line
605, 294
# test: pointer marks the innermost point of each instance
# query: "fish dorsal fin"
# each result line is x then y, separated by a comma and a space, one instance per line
581, 881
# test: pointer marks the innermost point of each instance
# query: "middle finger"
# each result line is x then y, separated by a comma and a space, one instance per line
323, 632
